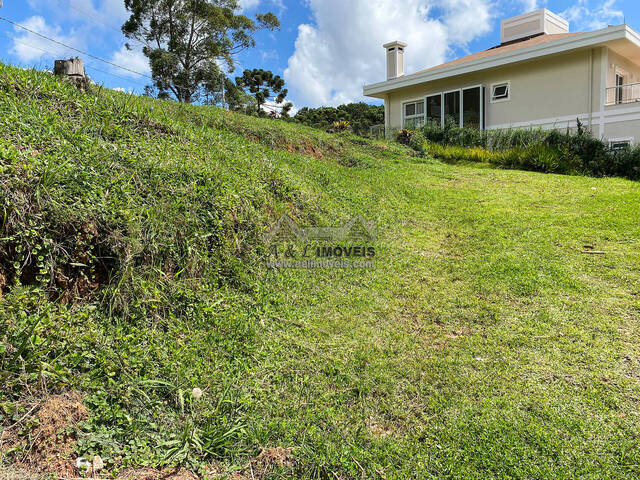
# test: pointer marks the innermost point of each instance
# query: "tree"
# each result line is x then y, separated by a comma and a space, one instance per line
234, 97
187, 40
360, 116
268, 90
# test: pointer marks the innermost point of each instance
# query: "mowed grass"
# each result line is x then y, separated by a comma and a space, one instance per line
484, 344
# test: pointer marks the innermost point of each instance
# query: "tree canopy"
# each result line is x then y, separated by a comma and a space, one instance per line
360, 116
187, 41
268, 90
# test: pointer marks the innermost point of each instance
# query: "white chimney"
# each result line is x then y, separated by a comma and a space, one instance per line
532, 24
395, 59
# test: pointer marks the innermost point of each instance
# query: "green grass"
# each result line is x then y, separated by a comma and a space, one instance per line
483, 345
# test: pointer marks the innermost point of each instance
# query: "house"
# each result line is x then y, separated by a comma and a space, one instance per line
540, 75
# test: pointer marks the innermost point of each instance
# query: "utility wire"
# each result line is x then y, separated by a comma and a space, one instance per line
116, 75
75, 49
95, 19
90, 55
86, 66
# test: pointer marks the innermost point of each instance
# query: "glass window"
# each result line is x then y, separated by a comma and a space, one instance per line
414, 114
410, 109
434, 109
500, 92
619, 88
471, 108
620, 144
452, 107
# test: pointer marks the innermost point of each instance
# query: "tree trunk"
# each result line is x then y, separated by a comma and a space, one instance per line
73, 66
73, 70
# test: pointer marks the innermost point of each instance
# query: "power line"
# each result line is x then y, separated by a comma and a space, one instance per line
86, 66
115, 75
75, 49
97, 20
90, 55
35, 48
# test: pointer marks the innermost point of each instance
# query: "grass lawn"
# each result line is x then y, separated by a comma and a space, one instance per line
484, 343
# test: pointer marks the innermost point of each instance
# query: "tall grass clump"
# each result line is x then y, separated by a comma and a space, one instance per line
130, 259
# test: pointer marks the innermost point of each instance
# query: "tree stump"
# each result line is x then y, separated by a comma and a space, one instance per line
73, 69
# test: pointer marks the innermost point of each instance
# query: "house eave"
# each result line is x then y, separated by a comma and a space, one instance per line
584, 40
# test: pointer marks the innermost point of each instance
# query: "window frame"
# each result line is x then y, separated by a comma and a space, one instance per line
619, 87
461, 90
482, 90
422, 115
629, 141
506, 83
439, 94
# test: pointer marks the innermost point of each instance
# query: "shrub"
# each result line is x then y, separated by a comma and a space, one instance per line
624, 163
340, 126
404, 136
537, 158
452, 134
549, 151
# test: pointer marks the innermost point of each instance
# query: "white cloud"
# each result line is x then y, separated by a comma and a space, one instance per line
113, 10
294, 110
100, 13
251, 4
86, 17
133, 60
29, 47
466, 20
342, 51
248, 4
267, 55
270, 107
531, 5
585, 17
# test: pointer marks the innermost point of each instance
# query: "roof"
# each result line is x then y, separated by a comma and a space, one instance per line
500, 49
620, 37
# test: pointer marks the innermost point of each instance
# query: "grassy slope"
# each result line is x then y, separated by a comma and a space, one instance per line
484, 344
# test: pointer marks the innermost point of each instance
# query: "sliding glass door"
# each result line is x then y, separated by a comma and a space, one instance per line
463, 108
434, 109
472, 111
451, 110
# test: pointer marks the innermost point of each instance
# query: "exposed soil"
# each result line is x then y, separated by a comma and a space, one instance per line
268, 458
52, 448
380, 431
85, 262
306, 148
3, 283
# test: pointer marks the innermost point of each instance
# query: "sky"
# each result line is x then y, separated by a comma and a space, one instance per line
325, 50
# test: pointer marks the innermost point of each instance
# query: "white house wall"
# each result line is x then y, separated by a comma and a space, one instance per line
618, 64
549, 89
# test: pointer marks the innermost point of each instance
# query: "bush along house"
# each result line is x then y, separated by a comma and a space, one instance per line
541, 75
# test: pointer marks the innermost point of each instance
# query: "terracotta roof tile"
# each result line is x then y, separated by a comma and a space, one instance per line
503, 49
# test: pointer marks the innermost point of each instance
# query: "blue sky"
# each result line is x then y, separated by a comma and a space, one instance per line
326, 49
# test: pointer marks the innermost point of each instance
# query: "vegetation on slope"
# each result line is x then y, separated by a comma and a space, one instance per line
550, 151
483, 344
359, 116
